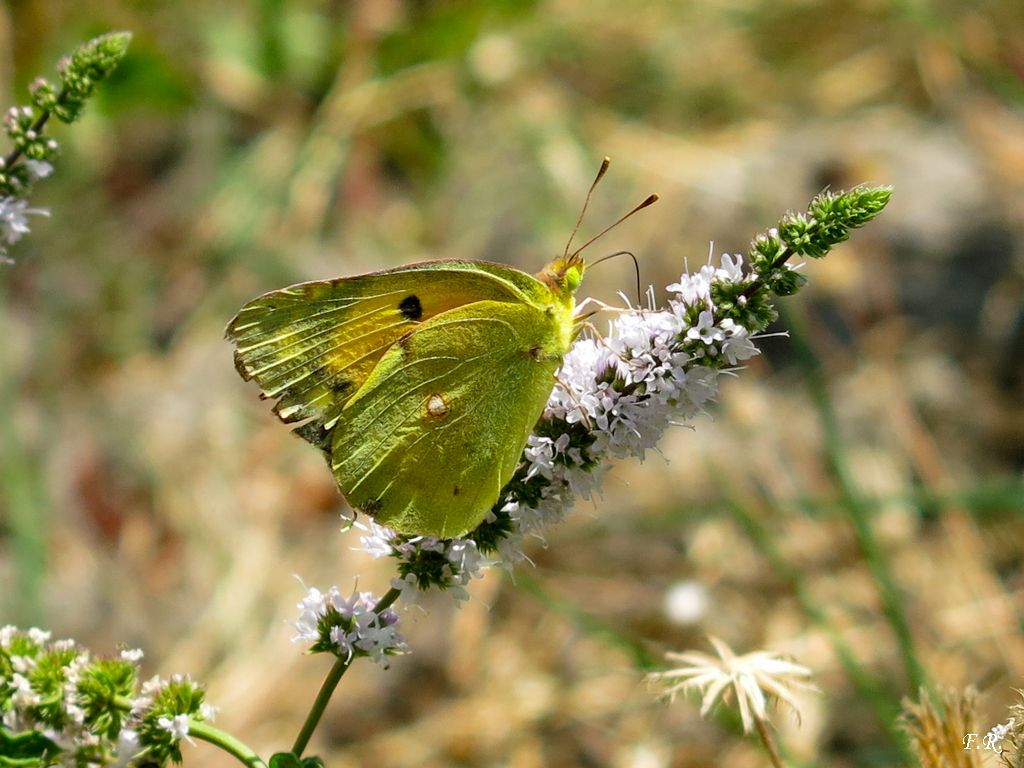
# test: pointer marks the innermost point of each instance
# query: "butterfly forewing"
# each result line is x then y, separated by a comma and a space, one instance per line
313, 345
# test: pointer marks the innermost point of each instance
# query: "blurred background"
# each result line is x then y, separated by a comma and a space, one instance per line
148, 498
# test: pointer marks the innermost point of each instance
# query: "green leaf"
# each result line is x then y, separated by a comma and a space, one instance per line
286, 760
291, 760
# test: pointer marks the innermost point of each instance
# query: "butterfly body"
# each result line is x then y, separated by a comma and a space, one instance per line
420, 384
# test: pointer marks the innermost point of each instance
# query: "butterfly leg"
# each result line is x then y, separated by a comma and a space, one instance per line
583, 411
589, 326
601, 307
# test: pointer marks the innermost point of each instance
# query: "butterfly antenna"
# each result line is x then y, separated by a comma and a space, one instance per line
636, 268
651, 200
600, 174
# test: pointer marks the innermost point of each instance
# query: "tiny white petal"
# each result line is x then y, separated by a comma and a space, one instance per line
132, 654
177, 726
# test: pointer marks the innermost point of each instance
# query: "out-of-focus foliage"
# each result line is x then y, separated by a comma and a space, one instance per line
149, 498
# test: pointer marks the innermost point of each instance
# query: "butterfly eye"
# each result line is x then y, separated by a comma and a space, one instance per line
573, 278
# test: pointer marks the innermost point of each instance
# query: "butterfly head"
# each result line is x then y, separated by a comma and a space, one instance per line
563, 276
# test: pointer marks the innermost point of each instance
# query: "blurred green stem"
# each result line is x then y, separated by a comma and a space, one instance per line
340, 667
884, 706
858, 510
20, 497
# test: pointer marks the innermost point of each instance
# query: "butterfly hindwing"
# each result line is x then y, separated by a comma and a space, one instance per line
438, 427
312, 346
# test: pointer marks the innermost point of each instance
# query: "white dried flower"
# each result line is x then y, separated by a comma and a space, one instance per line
752, 679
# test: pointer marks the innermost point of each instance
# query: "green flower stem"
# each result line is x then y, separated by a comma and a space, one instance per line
88, 65
340, 667
386, 601
227, 742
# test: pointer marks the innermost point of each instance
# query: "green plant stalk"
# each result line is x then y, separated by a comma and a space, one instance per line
859, 515
340, 667
227, 742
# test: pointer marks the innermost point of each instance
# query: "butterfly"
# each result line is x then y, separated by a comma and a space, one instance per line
421, 384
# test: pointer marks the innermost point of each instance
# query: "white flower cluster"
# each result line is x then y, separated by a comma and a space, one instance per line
455, 562
616, 396
177, 725
348, 626
14, 211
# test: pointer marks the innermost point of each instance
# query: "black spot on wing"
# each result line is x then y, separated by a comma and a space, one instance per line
410, 307
371, 507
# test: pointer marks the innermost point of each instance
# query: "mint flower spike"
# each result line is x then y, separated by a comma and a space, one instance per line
655, 367
827, 222
34, 151
80, 72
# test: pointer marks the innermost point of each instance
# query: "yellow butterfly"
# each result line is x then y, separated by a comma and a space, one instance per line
420, 384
